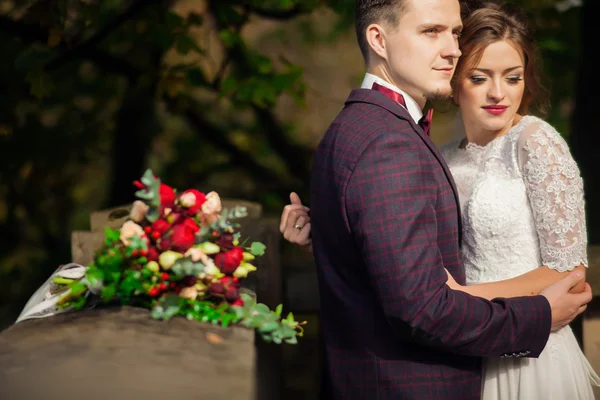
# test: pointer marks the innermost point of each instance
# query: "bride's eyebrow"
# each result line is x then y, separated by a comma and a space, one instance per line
489, 71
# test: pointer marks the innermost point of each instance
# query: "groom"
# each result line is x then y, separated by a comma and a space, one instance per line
385, 224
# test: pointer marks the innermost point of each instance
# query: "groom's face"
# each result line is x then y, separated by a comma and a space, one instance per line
422, 50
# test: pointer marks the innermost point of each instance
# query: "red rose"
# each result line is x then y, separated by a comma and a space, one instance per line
229, 261
152, 254
225, 241
232, 294
165, 243
183, 237
239, 302
191, 225
160, 226
176, 218
192, 200
167, 196
216, 288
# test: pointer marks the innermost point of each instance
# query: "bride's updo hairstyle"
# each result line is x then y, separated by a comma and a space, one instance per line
488, 22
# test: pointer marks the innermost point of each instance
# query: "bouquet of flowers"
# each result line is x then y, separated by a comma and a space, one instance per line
178, 254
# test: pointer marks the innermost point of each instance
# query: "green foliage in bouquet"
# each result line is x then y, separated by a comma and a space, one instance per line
179, 254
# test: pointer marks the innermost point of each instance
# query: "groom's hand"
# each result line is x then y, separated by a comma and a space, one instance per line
566, 306
295, 223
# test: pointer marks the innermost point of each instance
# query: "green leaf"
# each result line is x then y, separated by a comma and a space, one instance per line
108, 292
186, 43
257, 249
290, 317
167, 307
229, 38
185, 266
195, 77
194, 19
40, 83
262, 308
153, 214
136, 243
268, 326
174, 21
78, 288
292, 340
32, 58
94, 276
279, 309
112, 235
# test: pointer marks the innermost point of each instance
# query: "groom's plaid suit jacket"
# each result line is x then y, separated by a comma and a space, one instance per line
386, 223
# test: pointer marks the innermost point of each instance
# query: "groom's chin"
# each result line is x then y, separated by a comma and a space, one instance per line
439, 95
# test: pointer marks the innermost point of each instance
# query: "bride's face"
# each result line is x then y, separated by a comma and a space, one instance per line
490, 95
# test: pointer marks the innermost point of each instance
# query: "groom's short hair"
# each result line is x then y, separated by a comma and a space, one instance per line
367, 12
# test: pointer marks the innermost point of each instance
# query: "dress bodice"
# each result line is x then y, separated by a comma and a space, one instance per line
522, 204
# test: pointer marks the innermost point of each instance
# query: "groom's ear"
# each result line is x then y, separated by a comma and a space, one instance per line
376, 38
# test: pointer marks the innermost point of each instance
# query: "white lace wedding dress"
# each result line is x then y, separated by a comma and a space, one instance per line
522, 206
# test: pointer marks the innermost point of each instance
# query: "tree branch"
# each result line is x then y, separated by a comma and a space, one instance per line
30, 34
218, 137
91, 43
296, 156
276, 14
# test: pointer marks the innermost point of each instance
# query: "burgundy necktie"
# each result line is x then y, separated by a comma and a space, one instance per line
424, 122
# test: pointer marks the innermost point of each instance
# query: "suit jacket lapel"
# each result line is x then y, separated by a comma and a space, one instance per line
379, 99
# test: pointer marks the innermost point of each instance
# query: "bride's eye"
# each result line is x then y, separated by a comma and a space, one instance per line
514, 79
477, 79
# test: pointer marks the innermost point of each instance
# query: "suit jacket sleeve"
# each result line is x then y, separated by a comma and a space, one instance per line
390, 200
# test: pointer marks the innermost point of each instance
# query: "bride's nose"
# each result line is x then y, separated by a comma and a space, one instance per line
496, 92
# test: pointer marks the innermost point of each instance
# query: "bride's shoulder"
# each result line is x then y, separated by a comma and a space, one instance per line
535, 129
450, 148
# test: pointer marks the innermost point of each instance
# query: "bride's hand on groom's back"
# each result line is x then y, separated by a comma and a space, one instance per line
565, 305
295, 223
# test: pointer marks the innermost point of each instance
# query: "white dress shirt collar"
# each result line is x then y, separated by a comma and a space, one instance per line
412, 107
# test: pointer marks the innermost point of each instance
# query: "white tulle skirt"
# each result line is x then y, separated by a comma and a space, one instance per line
560, 373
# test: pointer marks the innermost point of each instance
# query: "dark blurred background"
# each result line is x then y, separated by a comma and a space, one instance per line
220, 95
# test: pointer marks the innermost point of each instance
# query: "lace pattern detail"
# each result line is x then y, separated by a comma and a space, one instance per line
555, 191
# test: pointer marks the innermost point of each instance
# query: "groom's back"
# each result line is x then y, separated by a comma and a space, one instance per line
364, 358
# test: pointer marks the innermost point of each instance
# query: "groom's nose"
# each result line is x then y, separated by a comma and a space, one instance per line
451, 49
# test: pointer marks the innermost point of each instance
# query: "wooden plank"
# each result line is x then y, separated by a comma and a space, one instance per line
593, 271
302, 291
122, 353
268, 283
84, 244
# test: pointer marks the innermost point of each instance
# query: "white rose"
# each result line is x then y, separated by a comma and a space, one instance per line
211, 269
212, 205
187, 199
189, 293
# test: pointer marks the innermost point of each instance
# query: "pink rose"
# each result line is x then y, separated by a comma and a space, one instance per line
197, 255
129, 230
138, 211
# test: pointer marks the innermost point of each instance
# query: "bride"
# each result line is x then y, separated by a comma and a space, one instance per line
521, 198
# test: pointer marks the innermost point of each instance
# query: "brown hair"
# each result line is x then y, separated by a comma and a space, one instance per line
491, 22
367, 12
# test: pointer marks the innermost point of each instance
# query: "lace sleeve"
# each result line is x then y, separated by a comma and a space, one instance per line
555, 191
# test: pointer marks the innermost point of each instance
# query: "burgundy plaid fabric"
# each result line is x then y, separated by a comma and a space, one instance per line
385, 224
